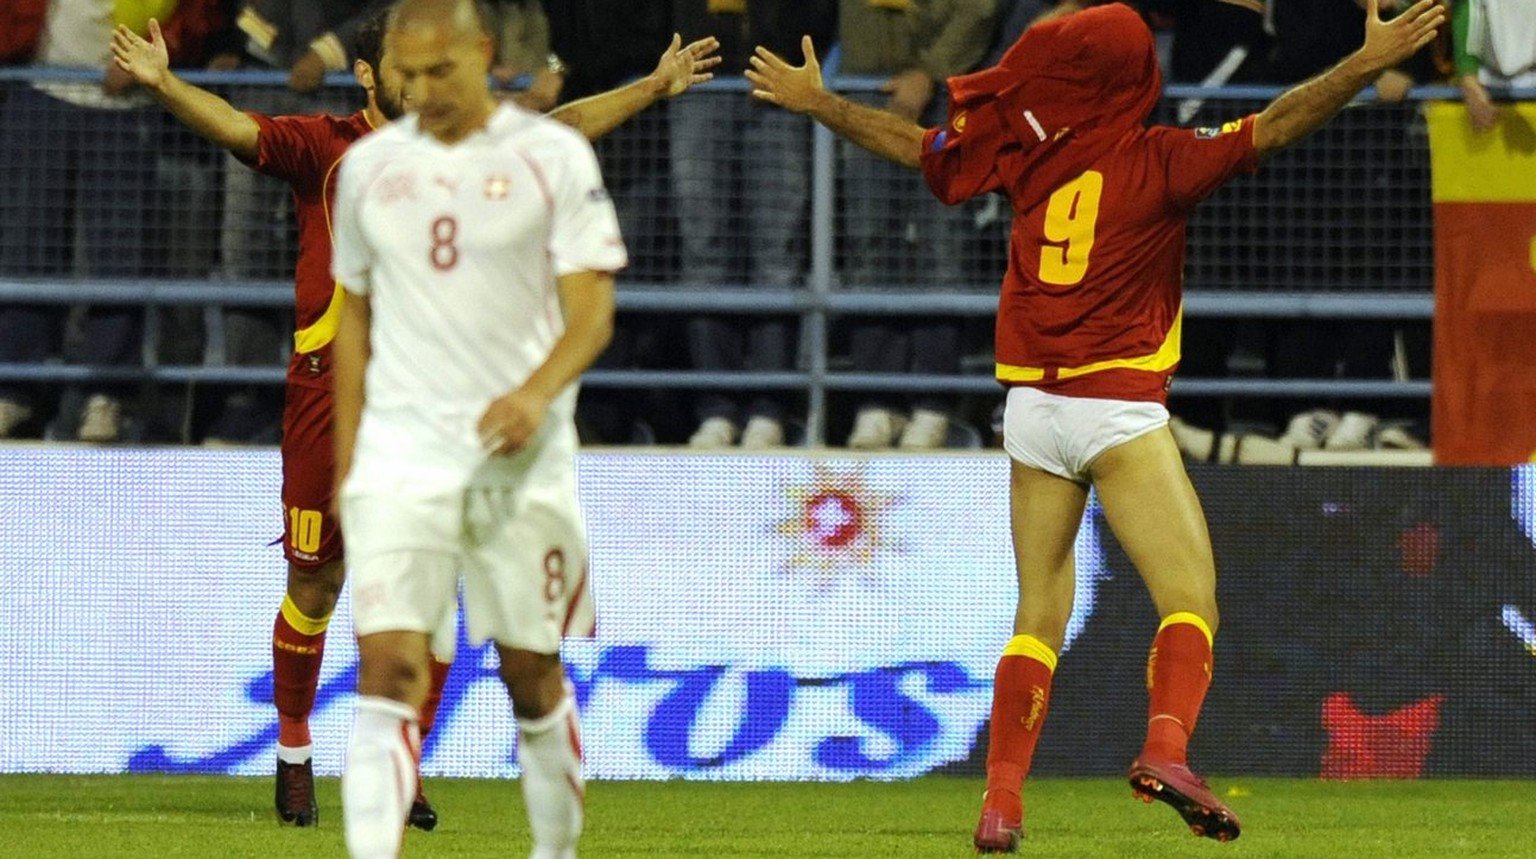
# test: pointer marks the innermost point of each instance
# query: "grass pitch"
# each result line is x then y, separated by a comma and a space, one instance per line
160, 816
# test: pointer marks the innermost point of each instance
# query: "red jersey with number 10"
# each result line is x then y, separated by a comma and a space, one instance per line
1092, 301
305, 151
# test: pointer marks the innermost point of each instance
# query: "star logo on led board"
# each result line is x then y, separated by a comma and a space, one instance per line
837, 523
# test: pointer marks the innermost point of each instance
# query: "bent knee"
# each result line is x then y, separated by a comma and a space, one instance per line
393, 674
316, 590
535, 681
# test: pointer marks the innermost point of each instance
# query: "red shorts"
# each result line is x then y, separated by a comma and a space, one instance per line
311, 532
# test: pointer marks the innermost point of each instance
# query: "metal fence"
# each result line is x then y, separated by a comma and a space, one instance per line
732, 212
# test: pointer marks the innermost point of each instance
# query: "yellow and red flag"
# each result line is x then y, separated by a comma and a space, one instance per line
1483, 411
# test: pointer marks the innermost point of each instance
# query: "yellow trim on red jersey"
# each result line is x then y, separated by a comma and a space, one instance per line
323, 330
1165, 358
1010, 373
302, 623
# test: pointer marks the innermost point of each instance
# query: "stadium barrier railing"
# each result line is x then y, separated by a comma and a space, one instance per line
1340, 228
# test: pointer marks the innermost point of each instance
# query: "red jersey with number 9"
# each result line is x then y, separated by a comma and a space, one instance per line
1092, 301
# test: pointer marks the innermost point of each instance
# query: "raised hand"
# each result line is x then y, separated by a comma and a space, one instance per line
146, 61
1389, 43
910, 91
307, 73
681, 67
793, 88
1481, 111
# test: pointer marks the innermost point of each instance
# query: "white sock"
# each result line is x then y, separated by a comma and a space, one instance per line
294, 754
549, 751
379, 781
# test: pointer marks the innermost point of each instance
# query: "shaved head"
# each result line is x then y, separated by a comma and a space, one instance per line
442, 52
464, 18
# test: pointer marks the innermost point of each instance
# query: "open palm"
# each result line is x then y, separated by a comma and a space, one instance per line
1388, 43
146, 60
682, 67
775, 81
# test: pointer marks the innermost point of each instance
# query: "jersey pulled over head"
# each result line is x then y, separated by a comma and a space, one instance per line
1061, 97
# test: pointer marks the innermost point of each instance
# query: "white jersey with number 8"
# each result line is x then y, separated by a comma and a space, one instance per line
458, 248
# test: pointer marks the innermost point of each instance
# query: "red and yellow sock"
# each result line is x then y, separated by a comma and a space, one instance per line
298, 642
1021, 695
1178, 675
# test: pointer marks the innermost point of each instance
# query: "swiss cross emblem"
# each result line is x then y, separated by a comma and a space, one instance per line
497, 185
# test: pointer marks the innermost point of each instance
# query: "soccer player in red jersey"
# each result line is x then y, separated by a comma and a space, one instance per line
305, 151
1087, 338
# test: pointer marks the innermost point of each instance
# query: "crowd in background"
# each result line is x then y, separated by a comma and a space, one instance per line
713, 191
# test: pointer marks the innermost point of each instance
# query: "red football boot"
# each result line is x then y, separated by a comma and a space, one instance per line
1177, 786
1000, 829
296, 794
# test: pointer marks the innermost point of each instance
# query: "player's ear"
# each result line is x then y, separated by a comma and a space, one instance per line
363, 73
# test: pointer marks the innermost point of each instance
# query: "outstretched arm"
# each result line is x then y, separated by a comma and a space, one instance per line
1301, 110
679, 68
148, 63
799, 88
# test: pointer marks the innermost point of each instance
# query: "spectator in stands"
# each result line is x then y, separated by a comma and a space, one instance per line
520, 33
893, 236
1215, 42
1434, 64
1495, 45
79, 176
21, 28
744, 222
1016, 16
305, 40
601, 44
1312, 35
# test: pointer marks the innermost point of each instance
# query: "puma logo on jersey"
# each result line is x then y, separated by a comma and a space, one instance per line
395, 188
1034, 125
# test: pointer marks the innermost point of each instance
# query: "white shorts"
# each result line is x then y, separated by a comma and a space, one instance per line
1064, 435
522, 553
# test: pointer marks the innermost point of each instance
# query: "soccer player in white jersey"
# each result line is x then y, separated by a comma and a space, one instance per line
479, 246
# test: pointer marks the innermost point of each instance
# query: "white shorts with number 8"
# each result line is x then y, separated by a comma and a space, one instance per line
521, 551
